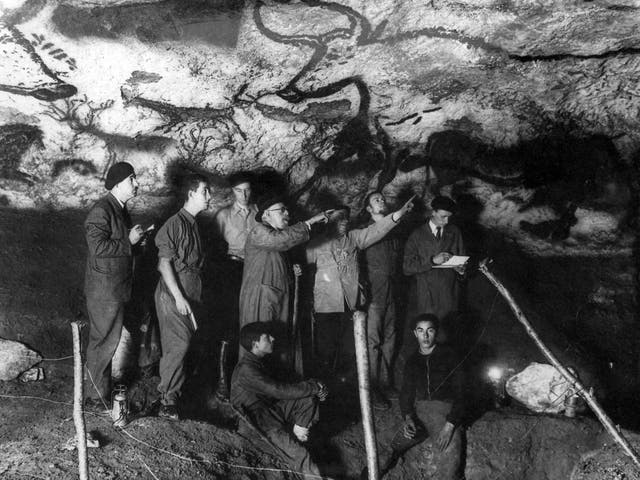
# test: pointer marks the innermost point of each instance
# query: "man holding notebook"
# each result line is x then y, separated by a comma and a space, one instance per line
435, 290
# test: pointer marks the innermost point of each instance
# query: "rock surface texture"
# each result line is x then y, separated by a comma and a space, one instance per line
15, 358
388, 93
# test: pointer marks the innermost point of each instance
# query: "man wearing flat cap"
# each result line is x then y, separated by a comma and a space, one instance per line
337, 290
109, 270
267, 276
435, 290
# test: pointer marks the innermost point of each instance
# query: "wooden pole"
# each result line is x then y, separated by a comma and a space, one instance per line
222, 391
573, 381
78, 394
296, 338
362, 358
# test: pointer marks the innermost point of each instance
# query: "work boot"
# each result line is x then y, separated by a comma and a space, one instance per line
169, 411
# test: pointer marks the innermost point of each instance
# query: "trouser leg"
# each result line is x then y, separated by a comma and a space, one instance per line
230, 286
449, 461
175, 336
105, 328
327, 337
375, 315
387, 350
301, 411
294, 453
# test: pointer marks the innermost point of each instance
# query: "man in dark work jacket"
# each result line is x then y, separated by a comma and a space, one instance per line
283, 412
431, 402
110, 240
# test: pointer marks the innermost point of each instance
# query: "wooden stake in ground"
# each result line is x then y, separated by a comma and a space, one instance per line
576, 385
296, 338
78, 394
362, 358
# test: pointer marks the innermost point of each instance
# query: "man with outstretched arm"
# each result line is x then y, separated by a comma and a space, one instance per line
282, 412
267, 277
180, 259
431, 402
109, 272
337, 289
382, 266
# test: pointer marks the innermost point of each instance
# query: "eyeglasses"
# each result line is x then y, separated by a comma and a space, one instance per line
281, 209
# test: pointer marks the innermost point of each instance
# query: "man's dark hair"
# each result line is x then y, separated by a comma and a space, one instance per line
425, 317
190, 183
367, 199
252, 332
237, 178
443, 203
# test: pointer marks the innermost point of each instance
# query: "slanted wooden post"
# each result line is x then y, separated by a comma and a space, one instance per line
573, 381
78, 394
362, 358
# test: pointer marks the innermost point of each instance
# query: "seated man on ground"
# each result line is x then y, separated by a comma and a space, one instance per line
283, 412
431, 402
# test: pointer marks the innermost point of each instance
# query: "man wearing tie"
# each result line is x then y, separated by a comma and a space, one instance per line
435, 290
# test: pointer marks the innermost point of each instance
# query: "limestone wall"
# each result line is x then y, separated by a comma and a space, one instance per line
339, 97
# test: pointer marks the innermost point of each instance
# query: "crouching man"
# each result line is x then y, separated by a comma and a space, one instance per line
284, 412
431, 402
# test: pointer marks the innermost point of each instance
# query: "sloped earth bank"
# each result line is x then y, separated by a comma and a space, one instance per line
42, 266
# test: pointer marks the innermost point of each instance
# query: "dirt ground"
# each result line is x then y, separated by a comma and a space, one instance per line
41, 269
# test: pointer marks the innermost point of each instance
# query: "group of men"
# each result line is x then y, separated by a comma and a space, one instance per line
354, 269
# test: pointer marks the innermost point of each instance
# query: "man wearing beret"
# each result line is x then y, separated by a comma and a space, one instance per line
267, 277
110, 241
435, 290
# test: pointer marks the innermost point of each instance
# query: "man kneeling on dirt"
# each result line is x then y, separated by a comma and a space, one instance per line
431, 402
283, 412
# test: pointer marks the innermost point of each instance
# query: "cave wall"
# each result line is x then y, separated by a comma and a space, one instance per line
377, 91
527, 111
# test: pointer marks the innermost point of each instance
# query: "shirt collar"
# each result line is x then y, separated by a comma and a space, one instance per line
251, 208
187, 215
434, 228
117, 200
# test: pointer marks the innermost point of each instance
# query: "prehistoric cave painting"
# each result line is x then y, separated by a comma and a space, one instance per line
196, 145
24, 72
179, 116
15, 140
364, 135
81, 167
82, 114
564, 171
55, 52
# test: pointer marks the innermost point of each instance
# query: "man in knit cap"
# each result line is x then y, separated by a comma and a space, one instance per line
109, 270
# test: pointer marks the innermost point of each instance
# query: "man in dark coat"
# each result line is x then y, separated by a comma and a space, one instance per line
109, 270
180, 260
283, 412
431, 403
267, 275
435, 290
